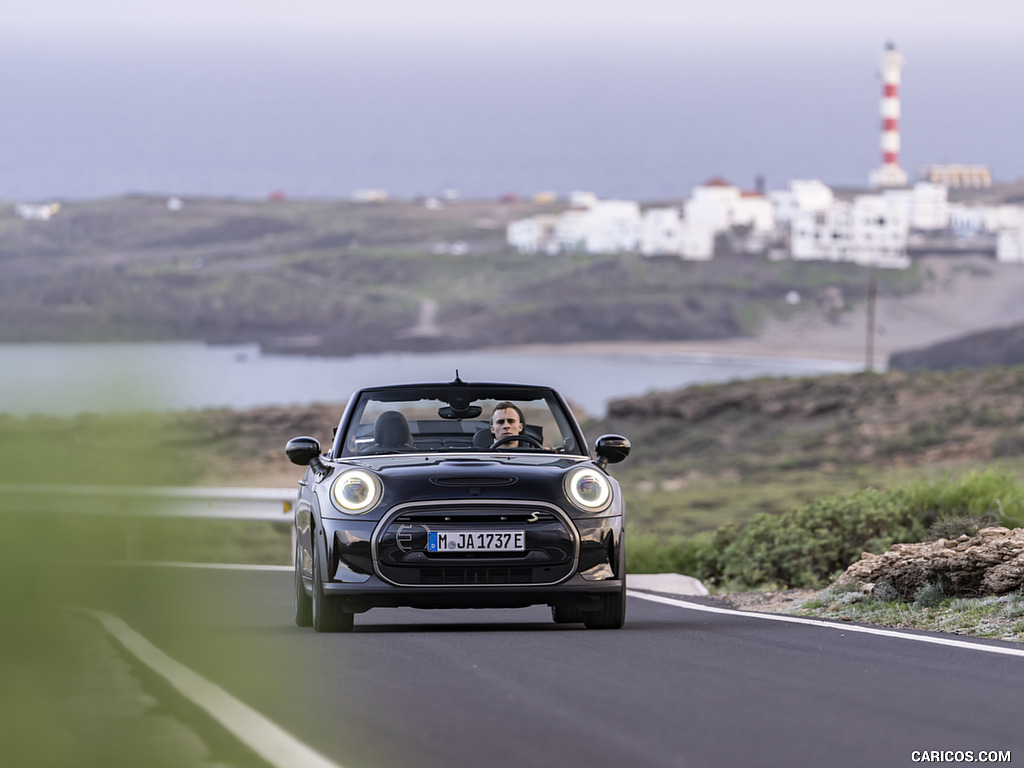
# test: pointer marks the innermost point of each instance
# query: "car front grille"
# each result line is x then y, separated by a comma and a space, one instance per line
446, 575
402, 558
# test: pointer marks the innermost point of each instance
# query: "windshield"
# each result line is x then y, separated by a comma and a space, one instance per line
446, 420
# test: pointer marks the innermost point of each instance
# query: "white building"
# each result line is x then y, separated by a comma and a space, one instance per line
1010, 238
872, 230
802, 195
607, 226
1008, 216
570, 233
367, 196
582, 199
601, 226
711, 204
957, 176
661, 232
698, 242
1010, 246
533, 235
755, 211
34, 212
719, 205
664, 231
965, 219
968, 220
822, 235
926, 205
881, 227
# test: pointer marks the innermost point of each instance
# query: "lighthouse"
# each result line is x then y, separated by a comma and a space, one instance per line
889, 174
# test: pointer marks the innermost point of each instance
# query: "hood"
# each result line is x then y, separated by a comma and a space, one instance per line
483, 477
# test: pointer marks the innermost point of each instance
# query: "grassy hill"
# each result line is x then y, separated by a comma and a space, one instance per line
708, 455
334, 277
702, 456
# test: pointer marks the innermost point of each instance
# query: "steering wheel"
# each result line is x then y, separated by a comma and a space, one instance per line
513, 438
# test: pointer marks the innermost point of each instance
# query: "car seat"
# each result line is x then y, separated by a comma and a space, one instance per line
391, 432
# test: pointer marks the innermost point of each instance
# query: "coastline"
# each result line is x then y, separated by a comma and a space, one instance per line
724, 350
964, 295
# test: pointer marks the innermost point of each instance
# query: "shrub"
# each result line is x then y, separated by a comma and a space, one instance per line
988, 417
992, 495
1009, 443
884, 592
955, 527
930, 595
649, 553
895, 445
805, 546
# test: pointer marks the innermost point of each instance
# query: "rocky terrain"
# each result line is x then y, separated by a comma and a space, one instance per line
991, 563
971, 585
828, 423
999, 346
766, 428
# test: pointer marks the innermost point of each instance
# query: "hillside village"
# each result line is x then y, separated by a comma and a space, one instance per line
806, 221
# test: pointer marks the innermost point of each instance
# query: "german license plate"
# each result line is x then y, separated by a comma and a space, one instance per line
476, 541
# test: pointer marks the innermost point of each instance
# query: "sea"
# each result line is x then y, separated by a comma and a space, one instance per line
240, 117
69, 379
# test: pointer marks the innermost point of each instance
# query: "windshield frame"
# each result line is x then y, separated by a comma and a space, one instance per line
459, 396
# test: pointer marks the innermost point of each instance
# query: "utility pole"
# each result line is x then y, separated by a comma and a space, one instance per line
870, 345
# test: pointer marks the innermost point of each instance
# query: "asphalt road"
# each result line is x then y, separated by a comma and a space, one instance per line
675, 687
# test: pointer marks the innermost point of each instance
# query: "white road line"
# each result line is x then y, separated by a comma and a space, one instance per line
210, 566
267, 739
829, 625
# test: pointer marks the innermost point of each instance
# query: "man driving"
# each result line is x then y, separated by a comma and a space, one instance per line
507, 420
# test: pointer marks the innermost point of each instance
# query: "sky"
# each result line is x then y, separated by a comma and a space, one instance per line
732, 23
636, 98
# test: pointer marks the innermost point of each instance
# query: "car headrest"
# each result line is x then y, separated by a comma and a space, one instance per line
391, 430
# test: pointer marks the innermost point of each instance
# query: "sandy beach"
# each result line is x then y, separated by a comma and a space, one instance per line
964, 295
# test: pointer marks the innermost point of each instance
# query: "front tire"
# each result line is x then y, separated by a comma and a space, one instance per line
303, 602
611, 614
327, 613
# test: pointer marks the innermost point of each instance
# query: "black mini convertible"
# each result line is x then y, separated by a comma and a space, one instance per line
459, 495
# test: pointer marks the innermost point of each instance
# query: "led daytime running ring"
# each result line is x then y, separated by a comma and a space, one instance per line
588, 489
356, 491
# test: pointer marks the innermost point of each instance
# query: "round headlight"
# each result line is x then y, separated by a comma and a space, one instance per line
588, 489
356, 491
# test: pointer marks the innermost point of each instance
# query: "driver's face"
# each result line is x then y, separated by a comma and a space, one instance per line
504, 422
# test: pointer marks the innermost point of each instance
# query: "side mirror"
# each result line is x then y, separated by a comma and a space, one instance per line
303, 450
611, 449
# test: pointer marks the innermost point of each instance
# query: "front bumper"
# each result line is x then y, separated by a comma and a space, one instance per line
374, 593
385, 563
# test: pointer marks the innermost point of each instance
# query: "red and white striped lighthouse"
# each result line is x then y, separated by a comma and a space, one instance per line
890, 174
